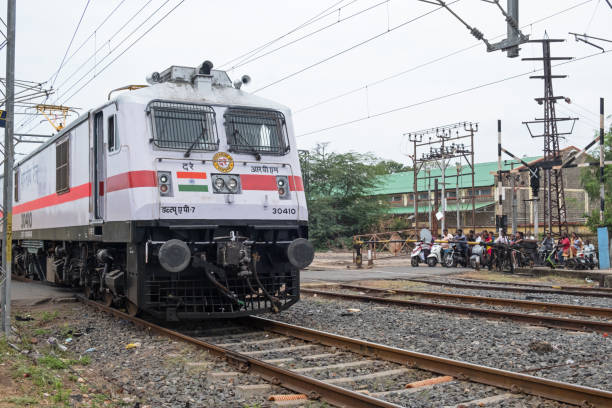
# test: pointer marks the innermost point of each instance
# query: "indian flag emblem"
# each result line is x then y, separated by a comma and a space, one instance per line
192, 181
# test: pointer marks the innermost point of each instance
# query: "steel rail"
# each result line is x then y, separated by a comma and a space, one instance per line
516, 382
538, 320
524, 304
538, 285
514, 289
313, 388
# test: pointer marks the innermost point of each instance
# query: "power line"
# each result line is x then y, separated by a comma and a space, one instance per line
92, 34
70, 43
438, 59
108, 42
27, 121
311, 20
351, 48
126, 49
248, 61
473, 88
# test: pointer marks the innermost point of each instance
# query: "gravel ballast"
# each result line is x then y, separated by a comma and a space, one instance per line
501, 344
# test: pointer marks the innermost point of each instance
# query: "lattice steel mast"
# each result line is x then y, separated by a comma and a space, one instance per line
555, 212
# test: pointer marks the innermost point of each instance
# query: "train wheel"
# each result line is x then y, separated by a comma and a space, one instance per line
108, 299
132, 308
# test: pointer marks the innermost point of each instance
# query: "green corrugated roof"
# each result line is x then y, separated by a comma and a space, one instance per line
449, 208
404, 182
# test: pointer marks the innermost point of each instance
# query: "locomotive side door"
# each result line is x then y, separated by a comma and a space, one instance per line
99, 167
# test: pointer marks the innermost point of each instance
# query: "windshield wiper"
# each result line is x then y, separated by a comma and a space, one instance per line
247, 144
197, 139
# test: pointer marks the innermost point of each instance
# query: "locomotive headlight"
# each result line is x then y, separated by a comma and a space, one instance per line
219, 183
163, 179
281, 183
232, 184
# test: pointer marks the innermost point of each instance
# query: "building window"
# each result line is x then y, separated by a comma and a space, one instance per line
113, 138
395, 199
423, 196
62, 166
451, 194
483, 191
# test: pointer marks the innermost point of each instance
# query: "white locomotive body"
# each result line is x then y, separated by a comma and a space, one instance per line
183, 199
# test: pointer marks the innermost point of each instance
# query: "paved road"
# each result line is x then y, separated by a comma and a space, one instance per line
387, 272
26, 292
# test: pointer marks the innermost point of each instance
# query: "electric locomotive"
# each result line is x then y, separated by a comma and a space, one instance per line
183, 199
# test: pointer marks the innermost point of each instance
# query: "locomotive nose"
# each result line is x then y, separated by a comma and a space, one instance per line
300, 253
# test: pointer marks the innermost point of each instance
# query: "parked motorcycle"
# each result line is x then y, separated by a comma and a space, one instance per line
435, 256
455, 256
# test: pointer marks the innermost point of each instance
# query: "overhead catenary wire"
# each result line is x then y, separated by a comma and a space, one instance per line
359, 44
93, 33
126, 49
432, 61
27, 121
448, 95
311, 20
319, 30
71, 40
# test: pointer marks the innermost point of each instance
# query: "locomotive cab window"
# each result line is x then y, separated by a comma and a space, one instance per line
256, 131
62, 166
113, 138
183, 126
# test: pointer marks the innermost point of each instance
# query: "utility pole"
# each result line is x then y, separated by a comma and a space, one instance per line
457, 195
601, 162
8, 167
555, 213
514, 198
500, 210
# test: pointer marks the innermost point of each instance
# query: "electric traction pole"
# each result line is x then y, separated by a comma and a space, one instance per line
7, 237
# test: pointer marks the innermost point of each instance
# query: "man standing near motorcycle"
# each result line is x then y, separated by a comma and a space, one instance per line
462, 242
564, 245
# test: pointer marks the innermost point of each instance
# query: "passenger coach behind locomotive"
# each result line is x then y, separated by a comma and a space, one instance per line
183, 199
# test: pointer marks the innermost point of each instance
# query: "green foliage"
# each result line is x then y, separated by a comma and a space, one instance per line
591, 183
389, 167
337, 186
48, 316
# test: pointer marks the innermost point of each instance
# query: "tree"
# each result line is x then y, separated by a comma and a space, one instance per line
591, 183
389, 167
336, 187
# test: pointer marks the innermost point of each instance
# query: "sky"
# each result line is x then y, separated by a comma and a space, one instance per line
319, 50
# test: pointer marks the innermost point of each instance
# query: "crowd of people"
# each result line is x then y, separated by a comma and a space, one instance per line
567, 246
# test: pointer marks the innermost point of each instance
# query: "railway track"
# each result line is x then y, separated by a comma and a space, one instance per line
522, 304
574, 292
537, 285
401, 366
538, 320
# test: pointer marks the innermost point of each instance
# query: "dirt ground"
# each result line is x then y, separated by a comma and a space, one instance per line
344, 259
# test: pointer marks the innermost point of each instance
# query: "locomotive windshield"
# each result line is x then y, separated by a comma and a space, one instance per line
256, 131
184, 126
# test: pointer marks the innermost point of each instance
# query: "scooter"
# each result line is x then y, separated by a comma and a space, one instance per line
419, 253
435, 256
476, 258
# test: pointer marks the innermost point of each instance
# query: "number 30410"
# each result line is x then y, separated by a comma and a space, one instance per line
289, 211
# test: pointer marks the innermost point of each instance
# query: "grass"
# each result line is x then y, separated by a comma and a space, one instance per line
50, 379
47, 316
21, 401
